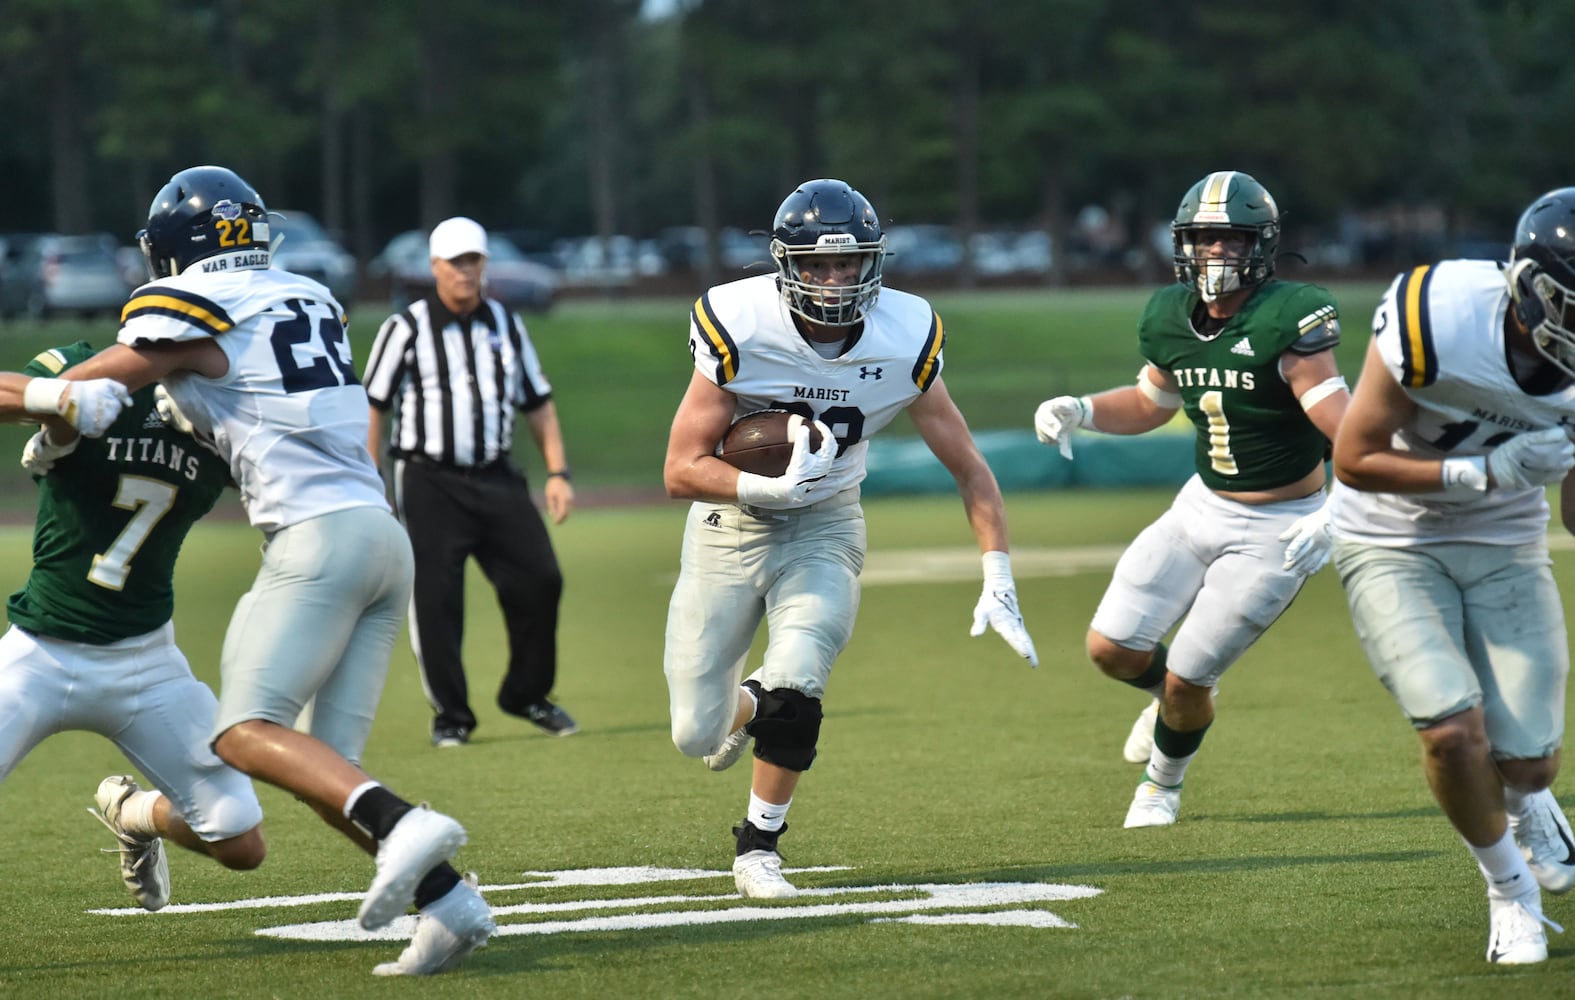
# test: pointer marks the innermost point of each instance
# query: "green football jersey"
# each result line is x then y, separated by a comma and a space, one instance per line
1252, 434
111, 519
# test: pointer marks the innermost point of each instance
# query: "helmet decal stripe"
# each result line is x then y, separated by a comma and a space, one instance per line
1216, 190
928, 368
1419, 364
717, 337
179, 304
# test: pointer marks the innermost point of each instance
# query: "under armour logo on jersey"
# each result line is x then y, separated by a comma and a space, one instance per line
714, 519
1243, 348
865, 373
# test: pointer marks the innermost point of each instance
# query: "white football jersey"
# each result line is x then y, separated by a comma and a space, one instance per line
1440, 331
290, 416
742, 338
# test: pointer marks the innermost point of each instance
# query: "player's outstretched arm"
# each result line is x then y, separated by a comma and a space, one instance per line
89, 406
1127, 409
944, 430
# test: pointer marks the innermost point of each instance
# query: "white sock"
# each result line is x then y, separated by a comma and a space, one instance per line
1505, 868
767, 817
1166, 770
136, 813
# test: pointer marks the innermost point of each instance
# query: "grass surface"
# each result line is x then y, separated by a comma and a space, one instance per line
1310, 860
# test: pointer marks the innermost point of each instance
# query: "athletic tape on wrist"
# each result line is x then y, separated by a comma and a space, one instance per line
42, 395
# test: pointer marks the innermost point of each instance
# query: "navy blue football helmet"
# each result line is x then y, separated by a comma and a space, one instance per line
827, 217
1542, 276
201, 213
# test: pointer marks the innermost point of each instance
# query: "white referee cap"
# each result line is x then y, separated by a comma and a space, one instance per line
456, 237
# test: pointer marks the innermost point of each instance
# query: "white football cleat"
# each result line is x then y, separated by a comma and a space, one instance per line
446, 931
143, 865
1140, 741
1517, 937
1153, 805
758, 875
1544, 836
418, 843
732, 749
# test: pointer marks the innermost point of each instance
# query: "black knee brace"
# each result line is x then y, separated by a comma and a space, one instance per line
786, 728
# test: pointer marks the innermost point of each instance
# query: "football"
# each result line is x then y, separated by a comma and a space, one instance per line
762, 441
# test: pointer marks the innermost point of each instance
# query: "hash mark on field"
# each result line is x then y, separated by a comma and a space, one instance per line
962, 563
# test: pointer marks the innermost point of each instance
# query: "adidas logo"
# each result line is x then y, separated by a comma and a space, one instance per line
1243, 348
152, 421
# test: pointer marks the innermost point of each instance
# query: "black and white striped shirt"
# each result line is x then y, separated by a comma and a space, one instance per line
457, 380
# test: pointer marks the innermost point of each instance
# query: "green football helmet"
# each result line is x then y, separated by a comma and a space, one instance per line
1233, 201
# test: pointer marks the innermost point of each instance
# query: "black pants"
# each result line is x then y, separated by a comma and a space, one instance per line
452, 515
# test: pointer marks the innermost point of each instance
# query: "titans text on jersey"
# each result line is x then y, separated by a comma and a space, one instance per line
153, 451
1213, 378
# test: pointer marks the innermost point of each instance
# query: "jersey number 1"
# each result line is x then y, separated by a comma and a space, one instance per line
1212, 404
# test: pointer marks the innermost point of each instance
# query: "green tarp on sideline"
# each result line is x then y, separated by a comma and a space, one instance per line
1159, 458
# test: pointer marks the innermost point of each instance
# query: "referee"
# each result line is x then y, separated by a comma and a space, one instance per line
459, 366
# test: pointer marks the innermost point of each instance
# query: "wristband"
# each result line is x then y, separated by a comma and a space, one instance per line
754, 488
562, 473
42, 395
1464, 477
997, 566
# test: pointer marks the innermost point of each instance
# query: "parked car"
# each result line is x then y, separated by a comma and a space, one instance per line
307, 249
511, 278
53, 274
917, 248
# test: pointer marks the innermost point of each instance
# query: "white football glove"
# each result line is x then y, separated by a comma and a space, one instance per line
997, 607
90, 406
799, 483
1532, 459
40, 453
1056, 420
168, 412
175, 418
1310, 542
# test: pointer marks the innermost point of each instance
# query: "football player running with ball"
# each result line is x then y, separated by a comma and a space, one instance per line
1250, 359
1461, 418
256, 360
823, 339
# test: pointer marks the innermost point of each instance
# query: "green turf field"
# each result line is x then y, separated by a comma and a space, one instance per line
966, 811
